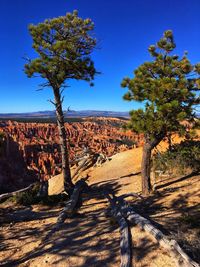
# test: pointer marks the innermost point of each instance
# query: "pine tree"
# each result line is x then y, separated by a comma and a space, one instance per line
64, 46
168, 86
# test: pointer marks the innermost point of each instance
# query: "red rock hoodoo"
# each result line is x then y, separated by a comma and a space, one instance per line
38, 143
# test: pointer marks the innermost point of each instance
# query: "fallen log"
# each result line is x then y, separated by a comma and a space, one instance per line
73, 202
125, 235
180, 257
11, 194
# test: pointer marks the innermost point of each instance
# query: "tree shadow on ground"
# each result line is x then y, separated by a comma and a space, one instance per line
130, 175
174, 208
89, 238
84, 238
144, 248
23, 214
172, 181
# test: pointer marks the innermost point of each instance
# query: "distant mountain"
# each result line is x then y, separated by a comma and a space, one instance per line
67, 114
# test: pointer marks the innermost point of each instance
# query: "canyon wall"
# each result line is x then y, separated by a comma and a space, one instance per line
38, 143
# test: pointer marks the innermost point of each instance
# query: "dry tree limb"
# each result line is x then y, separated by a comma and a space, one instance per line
78, 159
82, 165
125, 235
87, 159
180, 257
11, 194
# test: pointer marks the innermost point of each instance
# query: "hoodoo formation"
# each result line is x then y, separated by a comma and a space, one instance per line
38, 143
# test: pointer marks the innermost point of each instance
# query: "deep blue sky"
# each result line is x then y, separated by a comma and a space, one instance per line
125, 29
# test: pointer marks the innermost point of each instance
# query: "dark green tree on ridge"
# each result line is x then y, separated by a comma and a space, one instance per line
169, 87
64, 46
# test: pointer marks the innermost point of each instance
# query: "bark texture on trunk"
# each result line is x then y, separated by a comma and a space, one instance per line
145, 169
146, 161
68, 185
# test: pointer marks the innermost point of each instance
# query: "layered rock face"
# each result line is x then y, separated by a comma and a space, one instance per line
13, 168
38, 143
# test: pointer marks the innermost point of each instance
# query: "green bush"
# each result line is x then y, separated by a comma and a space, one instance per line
181, 158
31, 197
28, 197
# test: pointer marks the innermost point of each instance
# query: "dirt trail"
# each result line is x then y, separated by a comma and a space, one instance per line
89, 238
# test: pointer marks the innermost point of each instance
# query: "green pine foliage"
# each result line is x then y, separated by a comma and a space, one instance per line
168, 86
63, 45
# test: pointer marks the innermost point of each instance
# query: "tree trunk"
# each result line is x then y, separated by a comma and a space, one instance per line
145, 169
169, 139
68, 185
146, 161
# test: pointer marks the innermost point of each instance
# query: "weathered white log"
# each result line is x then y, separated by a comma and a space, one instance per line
72, 203
11, 194
125, 235
180, 257
83, 163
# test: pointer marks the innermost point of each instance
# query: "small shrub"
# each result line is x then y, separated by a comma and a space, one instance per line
181, 158
31, 197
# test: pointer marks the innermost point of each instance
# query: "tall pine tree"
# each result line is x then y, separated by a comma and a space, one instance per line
63, 45
168, 86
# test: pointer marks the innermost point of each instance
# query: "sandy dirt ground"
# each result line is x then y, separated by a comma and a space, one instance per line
90, 238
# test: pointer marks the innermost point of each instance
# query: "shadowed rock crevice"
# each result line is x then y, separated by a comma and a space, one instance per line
14, 173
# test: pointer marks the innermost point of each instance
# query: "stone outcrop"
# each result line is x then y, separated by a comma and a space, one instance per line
13, 168
38, 143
